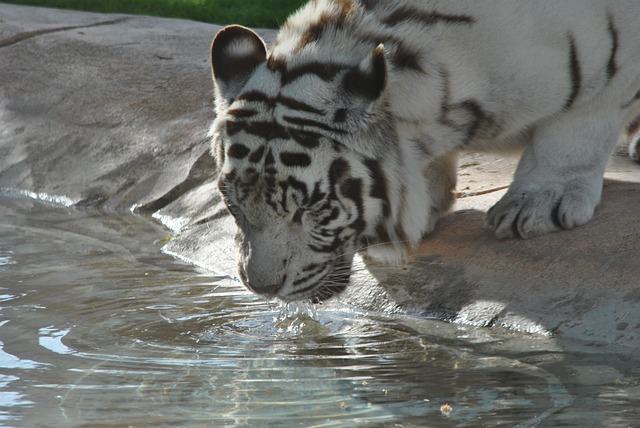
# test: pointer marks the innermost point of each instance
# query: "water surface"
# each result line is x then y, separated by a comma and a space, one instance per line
99, 329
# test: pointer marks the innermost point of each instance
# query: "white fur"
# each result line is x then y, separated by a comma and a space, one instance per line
557, 77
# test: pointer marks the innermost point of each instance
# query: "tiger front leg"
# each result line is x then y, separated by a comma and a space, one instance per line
558, 182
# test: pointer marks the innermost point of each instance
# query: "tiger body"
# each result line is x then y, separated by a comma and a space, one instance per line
344, 136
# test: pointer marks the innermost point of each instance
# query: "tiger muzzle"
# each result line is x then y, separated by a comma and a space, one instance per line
267, 290
263, 256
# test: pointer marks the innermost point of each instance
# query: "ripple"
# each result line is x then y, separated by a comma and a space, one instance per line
50, 338
9, 361
6, 258
263, 362
9, 399
98, 325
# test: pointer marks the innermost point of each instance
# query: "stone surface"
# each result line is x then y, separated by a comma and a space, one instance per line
112, 112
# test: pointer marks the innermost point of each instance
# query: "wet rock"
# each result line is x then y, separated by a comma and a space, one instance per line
112, 111
104, 110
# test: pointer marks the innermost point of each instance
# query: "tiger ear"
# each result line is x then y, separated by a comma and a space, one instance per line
236, 52
369, 78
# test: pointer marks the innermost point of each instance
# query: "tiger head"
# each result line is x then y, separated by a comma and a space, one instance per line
301, 148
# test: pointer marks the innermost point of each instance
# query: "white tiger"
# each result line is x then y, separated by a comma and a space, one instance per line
343, 137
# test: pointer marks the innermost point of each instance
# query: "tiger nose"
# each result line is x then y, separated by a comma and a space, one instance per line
268, 290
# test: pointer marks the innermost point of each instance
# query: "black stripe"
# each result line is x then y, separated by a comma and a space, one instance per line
313, 32
612, 66
300, 186
326, 248
328, 22
277, 64
266, 130
242, 112
309, 140
479, 117
223, 183
379, 186
422, 145
635, 98
256, 156
260, 129
352, 189
270, 179
474, 115
322, 233
272, 204
403, 14
242, 190
382, 234
446, 95
369, 4
574, 72
313, 269
404, 57
269, 160
255, 96
283, 195
308, 288
238, 151
317, 195
633, 126
349, 188
277, 131
312, 123
298, 105
326, 71
400, 233
295, 159
334, 213
338, 169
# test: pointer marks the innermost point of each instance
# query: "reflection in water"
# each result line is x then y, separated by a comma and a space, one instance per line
6, 258
98, 328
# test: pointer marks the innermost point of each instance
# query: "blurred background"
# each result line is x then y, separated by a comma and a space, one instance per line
252, 13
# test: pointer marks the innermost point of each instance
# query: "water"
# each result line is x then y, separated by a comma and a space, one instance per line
99, 329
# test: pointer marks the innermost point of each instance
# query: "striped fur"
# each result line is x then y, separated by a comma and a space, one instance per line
343, 136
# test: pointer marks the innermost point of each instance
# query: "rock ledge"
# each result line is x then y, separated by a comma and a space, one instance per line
112, 112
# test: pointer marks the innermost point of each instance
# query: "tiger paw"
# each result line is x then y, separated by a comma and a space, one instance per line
534, 212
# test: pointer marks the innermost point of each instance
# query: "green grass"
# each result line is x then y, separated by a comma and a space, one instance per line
252, 13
